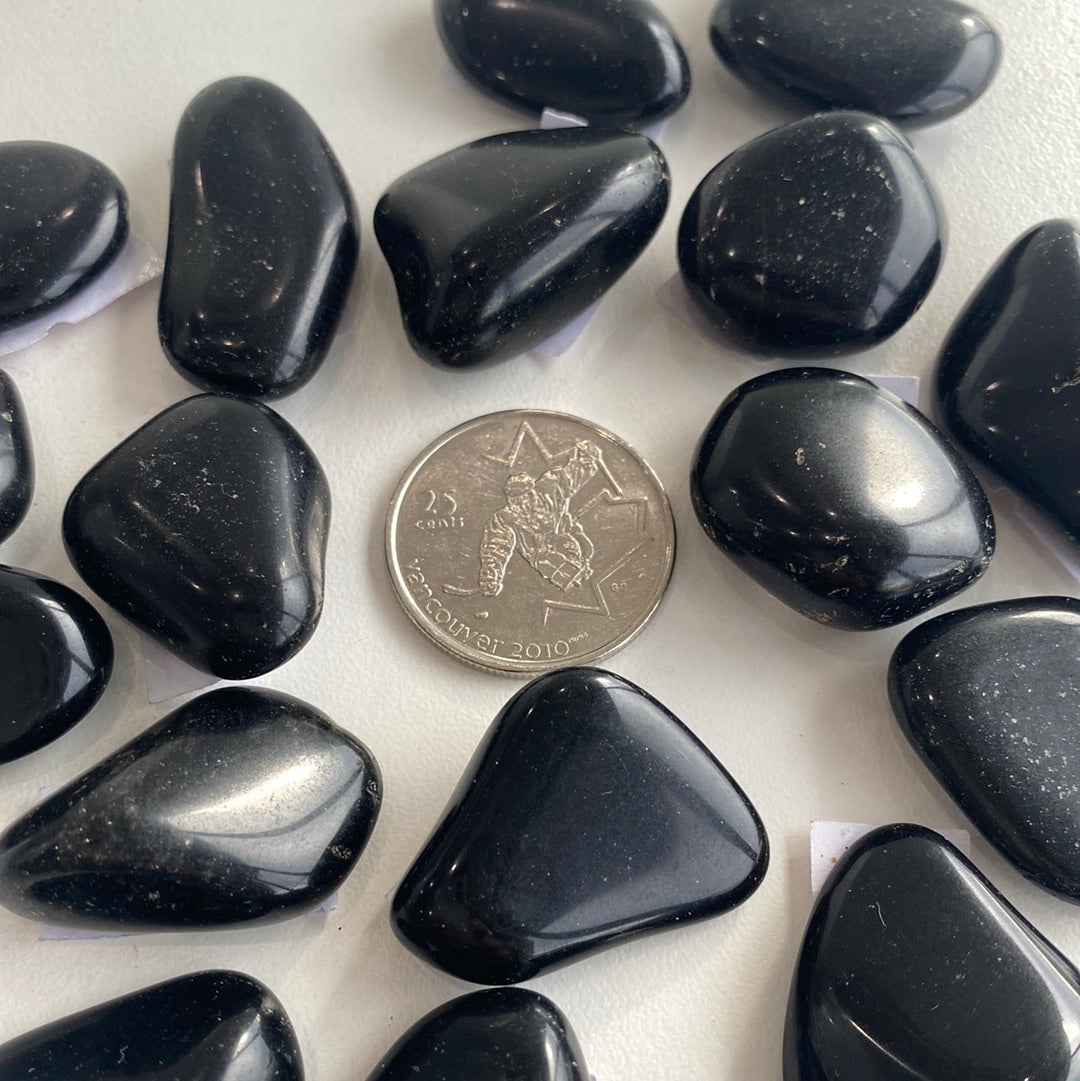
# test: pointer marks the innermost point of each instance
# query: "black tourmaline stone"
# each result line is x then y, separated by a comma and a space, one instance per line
241, 806
910, 63
588, 813
1009, 376
839, 498
262, 242
914, 966
989, 697
498, 244
16, 458
57, 658
506, 1034
63, 220
608, 61
207, 528
819, 238
213, 1026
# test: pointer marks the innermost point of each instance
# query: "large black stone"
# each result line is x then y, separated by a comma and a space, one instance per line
839, 498
609, 61
262, 242
819, 238
989, 697
505, 1034
16, 458
57, 658
910, 63
588, 813
241, 806
914, 966
1009, 376
63, 220
496, 245
213, 1026
207, 528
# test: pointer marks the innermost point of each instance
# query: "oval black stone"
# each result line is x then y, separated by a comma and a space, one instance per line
589, 813
57, 659
214, 1026
914, 966
207, 528
262, 242
610, 62
840, 499
498, 244
819, 238
16, 458
910, 63
243, 805
63, 220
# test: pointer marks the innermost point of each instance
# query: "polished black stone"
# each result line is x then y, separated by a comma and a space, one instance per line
262, 244
207, 528
243, 805
989, 697
16, 458
609, 61
496, 245
840, 499
911, 63
505, 1034
213, 1026
815, 239
588, 813
914, 966
57, 658
1008, 381
63, 220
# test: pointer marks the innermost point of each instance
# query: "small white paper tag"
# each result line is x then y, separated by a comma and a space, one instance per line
561, 340
905, 387
167, 676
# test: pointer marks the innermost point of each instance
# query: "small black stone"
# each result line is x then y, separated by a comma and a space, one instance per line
57, 658
989, 697
207, 528
914, 966
241, 806
815, 239
262, 242
612, 62
589, 813
840, 499
214, 1026
498, 244
16, 458
63, 220
910, 63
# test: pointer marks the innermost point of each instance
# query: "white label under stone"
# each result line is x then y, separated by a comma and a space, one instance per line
167, 676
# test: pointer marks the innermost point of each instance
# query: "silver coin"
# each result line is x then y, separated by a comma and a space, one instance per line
529, 540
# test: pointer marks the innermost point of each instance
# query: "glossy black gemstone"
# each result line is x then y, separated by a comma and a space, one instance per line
207, 528
914, 966
16, 458
496, 245
819, 238
1009, 375
910, 63
63, 220
214, 1026
243, 805
262, 242
608, 61
588, 813
989, 698
839, 498
505, 1034
57, 658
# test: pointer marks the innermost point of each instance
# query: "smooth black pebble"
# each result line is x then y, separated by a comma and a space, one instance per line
819, 238
498, 244
839, 498
16, 458
207, 528
914, 966
589, 813
262, 243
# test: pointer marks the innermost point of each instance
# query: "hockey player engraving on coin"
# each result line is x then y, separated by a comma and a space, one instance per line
529, 540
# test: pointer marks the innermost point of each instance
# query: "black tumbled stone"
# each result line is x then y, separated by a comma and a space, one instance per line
16, 459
